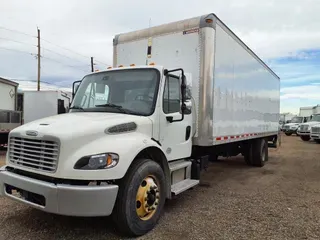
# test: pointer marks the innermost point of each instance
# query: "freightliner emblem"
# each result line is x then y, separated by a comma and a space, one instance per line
32, 133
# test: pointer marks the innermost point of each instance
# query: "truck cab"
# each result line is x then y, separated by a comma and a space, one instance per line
305, 129
292, 127
119, 120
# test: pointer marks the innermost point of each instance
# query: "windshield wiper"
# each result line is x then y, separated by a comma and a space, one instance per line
77, 107
111, 105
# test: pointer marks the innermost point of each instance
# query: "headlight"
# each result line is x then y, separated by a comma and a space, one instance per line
99, 161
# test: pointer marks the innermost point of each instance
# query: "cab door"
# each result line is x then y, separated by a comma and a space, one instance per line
175, 127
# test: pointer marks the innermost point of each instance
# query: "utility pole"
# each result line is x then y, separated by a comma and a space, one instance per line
39, 56
92, 68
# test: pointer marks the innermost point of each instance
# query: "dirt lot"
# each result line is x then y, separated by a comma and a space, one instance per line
280, 201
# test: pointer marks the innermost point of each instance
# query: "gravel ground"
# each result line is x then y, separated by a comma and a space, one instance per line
279, 201
2, 159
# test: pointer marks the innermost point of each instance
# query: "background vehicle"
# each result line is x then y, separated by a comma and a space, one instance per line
140, 133
315, 133
305, 128
52, 102
10, 118
292, 127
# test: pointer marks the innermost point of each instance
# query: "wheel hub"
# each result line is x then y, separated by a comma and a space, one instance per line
147, 199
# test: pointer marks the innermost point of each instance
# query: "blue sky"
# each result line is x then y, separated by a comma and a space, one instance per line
284, 33
300, 78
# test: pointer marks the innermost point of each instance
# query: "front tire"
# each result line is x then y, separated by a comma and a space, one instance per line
288, 134
317, 141
140, 199
305, 138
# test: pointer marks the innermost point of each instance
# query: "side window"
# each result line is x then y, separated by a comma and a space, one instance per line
172, 95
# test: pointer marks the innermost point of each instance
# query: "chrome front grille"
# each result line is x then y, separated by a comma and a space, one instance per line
315, 130
303, 128
286, 127
36, 154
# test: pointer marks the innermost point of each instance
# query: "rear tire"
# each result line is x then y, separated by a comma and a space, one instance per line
317, 141
145, 179
305, 138
259, 152
248, 153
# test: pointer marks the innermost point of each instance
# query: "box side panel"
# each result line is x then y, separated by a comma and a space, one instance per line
39, 105
7, 97
246, 93
175, 50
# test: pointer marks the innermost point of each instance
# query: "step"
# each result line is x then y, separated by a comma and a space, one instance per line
176, 165
184, 185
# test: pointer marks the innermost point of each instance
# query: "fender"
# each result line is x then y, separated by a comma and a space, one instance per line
126, 145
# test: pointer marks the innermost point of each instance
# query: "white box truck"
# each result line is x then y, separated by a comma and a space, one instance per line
305, 129
40, 104
306, 111
179, 95
293, 127
315, 132
10, 118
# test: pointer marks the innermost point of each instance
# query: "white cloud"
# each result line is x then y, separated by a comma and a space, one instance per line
274, 28
311, 92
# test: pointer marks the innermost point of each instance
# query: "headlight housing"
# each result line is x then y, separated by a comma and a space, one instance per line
98, 161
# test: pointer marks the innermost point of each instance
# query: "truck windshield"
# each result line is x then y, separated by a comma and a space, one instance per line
297, 120
315, 118
132, 91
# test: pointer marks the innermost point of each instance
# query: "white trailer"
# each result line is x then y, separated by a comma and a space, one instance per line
44, 103
9, 117
196, 92
306, 111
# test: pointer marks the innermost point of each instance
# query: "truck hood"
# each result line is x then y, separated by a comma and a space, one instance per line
311, 123
70, 125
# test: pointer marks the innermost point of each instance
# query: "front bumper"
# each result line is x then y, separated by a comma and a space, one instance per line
315, 135
289, 131
62, 199
304, 133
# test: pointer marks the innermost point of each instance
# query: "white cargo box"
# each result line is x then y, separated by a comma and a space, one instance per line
41, 104
237, 96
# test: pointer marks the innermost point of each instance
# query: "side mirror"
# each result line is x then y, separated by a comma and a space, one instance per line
75, 87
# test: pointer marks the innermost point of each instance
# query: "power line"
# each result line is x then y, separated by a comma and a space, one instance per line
16, 31
64, 63
49, 50
34, 80
72, 51
12, 40
26, 34
15, 50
